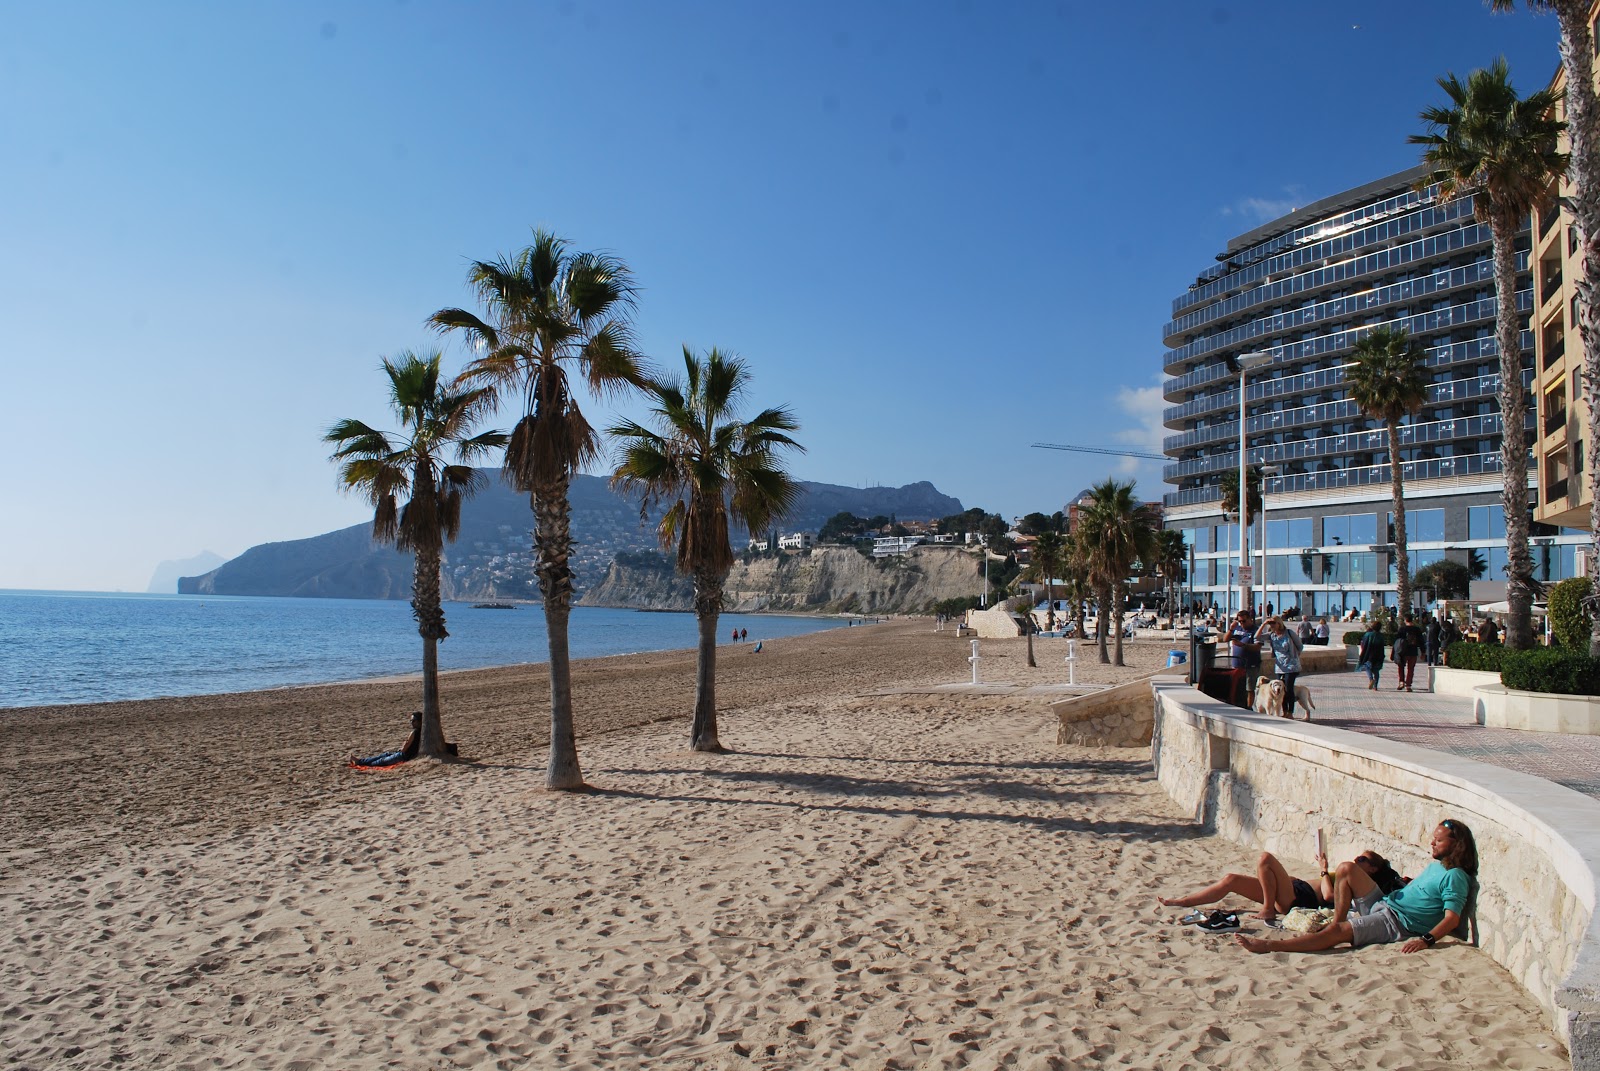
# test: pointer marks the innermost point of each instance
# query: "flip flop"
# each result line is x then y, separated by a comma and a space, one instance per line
1193, 917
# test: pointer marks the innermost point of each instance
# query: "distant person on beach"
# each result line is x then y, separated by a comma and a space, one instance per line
1408, 643
1276, 890
1431, 635
1428, 908
1285, 647
1488, 631
1322, 632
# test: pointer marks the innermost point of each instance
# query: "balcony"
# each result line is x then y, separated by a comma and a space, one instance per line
1334, 479
1548, 218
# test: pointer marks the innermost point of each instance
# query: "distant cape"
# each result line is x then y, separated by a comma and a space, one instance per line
492, 558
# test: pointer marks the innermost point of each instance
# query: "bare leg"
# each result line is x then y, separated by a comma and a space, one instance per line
1337, 933
1277, 887
1238, 884
1353, 882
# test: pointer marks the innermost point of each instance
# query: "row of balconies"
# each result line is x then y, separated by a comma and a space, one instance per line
1424, 250
1360, 476
1437, 282
1431, 432
1341, 341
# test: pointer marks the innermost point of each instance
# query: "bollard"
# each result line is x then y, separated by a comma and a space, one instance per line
1072, 662
974, 661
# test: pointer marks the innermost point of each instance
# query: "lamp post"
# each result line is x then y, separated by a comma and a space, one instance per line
1245, 361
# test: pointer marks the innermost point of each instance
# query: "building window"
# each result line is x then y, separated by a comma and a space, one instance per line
1358, 529
1422, 525
1486, 522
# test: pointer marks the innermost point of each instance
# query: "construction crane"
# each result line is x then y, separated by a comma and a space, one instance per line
1100, 450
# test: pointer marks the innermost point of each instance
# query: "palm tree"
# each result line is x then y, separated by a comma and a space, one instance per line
1117, 531
1387, 382
383, 467
1501, 150
551, 315
1230, 505
1078, 588
717, 468
1583, 173
1171, 555
1049, 550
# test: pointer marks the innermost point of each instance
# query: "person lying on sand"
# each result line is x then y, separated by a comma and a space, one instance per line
1276, 890
1419, 914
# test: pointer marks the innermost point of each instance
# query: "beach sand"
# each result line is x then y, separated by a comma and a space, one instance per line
890, 882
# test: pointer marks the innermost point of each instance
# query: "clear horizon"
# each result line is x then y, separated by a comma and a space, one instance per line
938, 232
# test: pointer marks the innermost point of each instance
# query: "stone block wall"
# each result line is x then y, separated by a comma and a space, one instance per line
1269, 784
1115, 717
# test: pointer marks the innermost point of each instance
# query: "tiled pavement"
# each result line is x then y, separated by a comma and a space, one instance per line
1445, 723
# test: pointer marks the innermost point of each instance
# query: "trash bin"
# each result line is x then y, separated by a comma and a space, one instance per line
1176, 658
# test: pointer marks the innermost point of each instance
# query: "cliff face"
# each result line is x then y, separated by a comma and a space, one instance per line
824, 580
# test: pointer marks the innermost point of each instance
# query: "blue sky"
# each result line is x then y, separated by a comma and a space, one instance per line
938, 231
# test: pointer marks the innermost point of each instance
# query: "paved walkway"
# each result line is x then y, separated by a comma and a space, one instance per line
1445, 723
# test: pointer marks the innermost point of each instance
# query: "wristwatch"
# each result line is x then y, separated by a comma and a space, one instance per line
1430, 939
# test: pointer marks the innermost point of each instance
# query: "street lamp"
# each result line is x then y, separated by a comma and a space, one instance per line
1245, 361
1266, 591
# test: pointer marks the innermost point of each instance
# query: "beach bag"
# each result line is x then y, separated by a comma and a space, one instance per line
1306, 919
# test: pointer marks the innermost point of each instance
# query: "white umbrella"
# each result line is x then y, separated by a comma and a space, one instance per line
1505, 608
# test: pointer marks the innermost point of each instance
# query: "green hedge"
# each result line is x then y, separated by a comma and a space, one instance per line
1568, 619
1483, 657
1353, 639
1551, 669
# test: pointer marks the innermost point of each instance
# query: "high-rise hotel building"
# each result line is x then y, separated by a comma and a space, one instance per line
1305, 288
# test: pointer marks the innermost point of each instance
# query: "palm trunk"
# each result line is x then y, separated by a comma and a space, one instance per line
1402, 559
1027, 628
552, 540
1050, 613
1513, 436
1102, 621
428, 608
707, 608
1583, 113
1119, 599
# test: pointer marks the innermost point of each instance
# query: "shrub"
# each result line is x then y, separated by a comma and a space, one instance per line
1568, 619
1353, 638
1482, 657
1551, 669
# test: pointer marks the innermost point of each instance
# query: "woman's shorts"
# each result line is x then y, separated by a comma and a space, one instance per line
1380, 926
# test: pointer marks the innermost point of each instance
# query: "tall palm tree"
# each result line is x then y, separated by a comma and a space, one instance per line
1583, 173
1387, 382
1117, 531
384, 467
714, 468
551, 316
1078, 589
1502, 150
1252, 501
1049, 550
1171, 555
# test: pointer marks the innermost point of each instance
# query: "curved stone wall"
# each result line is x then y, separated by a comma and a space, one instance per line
1270, 784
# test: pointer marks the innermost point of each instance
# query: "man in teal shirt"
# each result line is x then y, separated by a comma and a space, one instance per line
1418, 914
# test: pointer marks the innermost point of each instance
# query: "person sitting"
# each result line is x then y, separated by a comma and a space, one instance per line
1276, 890
1428, 908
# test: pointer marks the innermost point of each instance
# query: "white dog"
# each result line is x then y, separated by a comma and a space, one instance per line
1269, 698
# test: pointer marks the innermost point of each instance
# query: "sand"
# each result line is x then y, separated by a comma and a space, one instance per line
888, 882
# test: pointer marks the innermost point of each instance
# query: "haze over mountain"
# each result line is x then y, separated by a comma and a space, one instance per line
493, 558
164, 581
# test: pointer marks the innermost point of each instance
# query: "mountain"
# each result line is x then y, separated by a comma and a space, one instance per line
493, 557
164, 581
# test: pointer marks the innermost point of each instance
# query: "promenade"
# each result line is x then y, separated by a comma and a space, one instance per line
1445, 723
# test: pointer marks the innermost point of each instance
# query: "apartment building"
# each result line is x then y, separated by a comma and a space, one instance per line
1300, 292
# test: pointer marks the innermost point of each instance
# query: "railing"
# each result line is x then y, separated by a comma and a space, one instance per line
1423, 250
1438, 282
1554, 353
1548, 217
1258, 332
1552, 286
1334, 479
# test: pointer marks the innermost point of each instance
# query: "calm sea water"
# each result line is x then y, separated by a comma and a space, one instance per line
82, 647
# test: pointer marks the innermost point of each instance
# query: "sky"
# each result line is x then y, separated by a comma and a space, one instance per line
938, 231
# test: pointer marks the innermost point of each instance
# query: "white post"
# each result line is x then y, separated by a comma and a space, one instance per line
974, 661
1072, 661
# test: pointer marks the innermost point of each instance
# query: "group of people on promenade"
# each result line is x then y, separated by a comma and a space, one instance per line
1371, 903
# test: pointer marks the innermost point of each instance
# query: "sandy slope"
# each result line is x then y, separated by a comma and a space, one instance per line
884, 883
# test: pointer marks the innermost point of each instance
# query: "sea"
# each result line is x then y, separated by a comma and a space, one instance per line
90, 647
